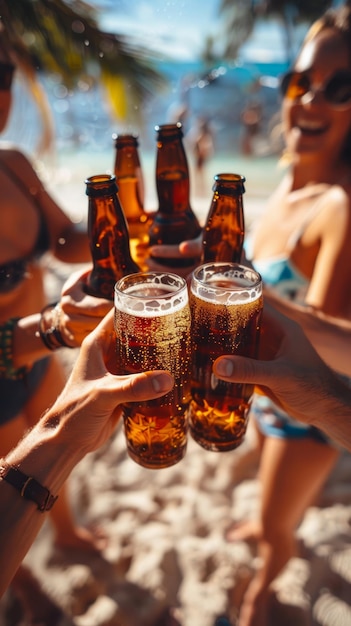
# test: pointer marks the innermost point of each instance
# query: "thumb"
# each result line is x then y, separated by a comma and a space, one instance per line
239, 369
137, 387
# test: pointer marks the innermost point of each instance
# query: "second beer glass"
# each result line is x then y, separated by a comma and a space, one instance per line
152, 323
226, 306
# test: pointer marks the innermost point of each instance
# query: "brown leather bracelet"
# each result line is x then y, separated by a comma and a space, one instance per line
28, 487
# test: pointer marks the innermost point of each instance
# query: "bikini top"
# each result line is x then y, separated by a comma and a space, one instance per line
12, 273
280, 272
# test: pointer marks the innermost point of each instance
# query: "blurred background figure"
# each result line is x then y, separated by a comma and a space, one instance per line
250, 118
200, 140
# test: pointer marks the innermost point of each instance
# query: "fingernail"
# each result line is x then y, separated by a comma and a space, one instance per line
162, 382
224, 367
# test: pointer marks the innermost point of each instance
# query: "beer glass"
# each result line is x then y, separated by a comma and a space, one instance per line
152, 324
226, 306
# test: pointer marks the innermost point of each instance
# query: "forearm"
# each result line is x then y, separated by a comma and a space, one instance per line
20, 522
21, 345
334, 414
27, 345
331, 337
35, 336
44, 455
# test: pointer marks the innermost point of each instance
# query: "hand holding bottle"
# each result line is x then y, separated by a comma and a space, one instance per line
80, 312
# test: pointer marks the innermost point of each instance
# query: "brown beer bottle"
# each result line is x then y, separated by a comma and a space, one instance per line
130, 182
174, 221
224, 231
108, 236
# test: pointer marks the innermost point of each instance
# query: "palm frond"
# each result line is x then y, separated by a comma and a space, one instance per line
239, 17
62, 36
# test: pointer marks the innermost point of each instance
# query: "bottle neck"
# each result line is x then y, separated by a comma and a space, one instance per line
109, 237
224, 229
127, 162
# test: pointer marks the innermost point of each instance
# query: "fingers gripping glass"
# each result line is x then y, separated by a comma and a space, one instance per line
6, 75
336, 90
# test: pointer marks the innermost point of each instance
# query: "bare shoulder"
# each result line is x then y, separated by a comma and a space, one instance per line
13, 157
20, 164
335, 207
331, 222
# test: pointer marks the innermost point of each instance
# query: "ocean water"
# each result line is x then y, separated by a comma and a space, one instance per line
84, 128
82, 117
64, 177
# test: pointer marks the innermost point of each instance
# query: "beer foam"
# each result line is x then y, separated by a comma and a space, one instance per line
152, 299
227, 291
229, 284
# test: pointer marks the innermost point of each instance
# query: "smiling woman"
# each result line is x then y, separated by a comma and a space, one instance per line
318, 95
301, 249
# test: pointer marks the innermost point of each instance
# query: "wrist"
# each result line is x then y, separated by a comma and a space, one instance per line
44, 453
27, 486
49, 327
27, 339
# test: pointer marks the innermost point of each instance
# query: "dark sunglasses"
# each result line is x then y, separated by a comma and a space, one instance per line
6, 76
11, 274
336, 91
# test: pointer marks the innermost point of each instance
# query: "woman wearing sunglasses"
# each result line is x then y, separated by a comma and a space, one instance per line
31, 376
301, 246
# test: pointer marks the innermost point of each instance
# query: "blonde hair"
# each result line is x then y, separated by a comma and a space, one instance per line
337, 19
17, 55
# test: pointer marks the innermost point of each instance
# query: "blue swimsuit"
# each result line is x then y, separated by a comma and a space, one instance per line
281, 274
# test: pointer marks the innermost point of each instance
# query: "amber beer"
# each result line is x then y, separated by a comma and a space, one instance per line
152, 323
224, 231
226, 305
130, 181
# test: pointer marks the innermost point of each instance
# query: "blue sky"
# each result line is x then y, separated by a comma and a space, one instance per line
174, 26
179, 27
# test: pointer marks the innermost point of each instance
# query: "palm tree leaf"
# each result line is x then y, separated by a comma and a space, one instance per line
239, 17
62, 36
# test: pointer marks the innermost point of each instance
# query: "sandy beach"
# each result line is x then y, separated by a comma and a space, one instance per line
165, 528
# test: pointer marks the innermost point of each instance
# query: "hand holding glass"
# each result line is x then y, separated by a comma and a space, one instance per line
152, 324
226, 306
